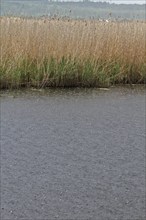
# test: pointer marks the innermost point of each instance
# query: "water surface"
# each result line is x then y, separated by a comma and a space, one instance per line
73, 154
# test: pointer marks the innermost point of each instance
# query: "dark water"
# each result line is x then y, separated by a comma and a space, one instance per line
73, 154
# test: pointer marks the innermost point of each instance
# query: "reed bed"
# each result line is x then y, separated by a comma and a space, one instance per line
64, 53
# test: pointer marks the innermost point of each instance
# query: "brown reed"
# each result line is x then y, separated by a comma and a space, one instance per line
62, 52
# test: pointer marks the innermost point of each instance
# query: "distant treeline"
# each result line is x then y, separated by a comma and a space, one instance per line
83, 9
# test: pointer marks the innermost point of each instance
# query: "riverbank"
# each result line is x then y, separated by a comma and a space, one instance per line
71, 53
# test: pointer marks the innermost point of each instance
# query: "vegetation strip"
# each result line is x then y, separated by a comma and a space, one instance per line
65, 53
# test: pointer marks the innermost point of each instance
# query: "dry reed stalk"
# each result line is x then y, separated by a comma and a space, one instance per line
98, 42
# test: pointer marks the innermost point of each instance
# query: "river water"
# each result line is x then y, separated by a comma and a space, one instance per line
73, 154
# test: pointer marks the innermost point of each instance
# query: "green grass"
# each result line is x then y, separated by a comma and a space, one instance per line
68, 73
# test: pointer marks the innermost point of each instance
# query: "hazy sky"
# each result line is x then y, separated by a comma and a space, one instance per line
127, 1
117, 1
